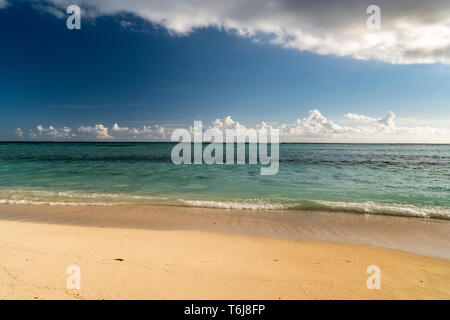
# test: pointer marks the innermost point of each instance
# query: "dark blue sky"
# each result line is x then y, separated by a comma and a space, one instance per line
107, 73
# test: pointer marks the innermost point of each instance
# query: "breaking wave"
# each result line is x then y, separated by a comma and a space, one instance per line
352, 207
245, 205
75, 198
370, 207
55, 203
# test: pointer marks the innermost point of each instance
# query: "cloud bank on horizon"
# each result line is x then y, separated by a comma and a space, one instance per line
412, 31
313, 128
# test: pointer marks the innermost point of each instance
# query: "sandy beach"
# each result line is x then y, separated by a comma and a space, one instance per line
165, 253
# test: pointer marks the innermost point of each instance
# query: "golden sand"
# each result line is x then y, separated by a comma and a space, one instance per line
168, 263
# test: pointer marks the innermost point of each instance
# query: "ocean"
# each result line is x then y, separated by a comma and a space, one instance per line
386, 179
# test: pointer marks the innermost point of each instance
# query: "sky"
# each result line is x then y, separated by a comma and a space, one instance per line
137, 70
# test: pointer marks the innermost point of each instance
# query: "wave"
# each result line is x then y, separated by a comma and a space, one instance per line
351, 207
383, 209
55, 203
77, 194
75, 198
247, 205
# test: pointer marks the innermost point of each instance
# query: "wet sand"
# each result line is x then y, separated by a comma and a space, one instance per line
194, 253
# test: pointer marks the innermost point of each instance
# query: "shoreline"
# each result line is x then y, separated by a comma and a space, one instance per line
55, 198
427, 237
180, 253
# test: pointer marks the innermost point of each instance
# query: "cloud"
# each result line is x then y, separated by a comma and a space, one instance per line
412, 31
359, 117
116, 128
315, 127
126, 24
357, 128
99, 131
3, 4
386, 122
19, 132
55, 11
226, 123
146, 133
50, 133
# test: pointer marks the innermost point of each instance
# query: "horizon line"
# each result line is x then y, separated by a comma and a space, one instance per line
204, 142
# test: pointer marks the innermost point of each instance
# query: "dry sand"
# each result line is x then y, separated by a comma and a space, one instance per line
167, 262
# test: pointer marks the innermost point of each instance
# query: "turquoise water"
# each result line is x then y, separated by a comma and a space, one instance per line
408, 180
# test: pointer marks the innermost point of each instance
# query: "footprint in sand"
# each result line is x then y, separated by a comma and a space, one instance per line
111, 261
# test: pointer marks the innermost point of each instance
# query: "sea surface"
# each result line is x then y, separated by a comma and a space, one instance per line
387, 179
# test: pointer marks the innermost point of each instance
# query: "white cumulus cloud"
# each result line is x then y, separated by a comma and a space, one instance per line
19, 132
49, 132
315, 127
99, 131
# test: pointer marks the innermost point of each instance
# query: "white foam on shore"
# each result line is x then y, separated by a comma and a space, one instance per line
248, 205
386, 209
55, 203
77, 194
104, 199
355, 207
